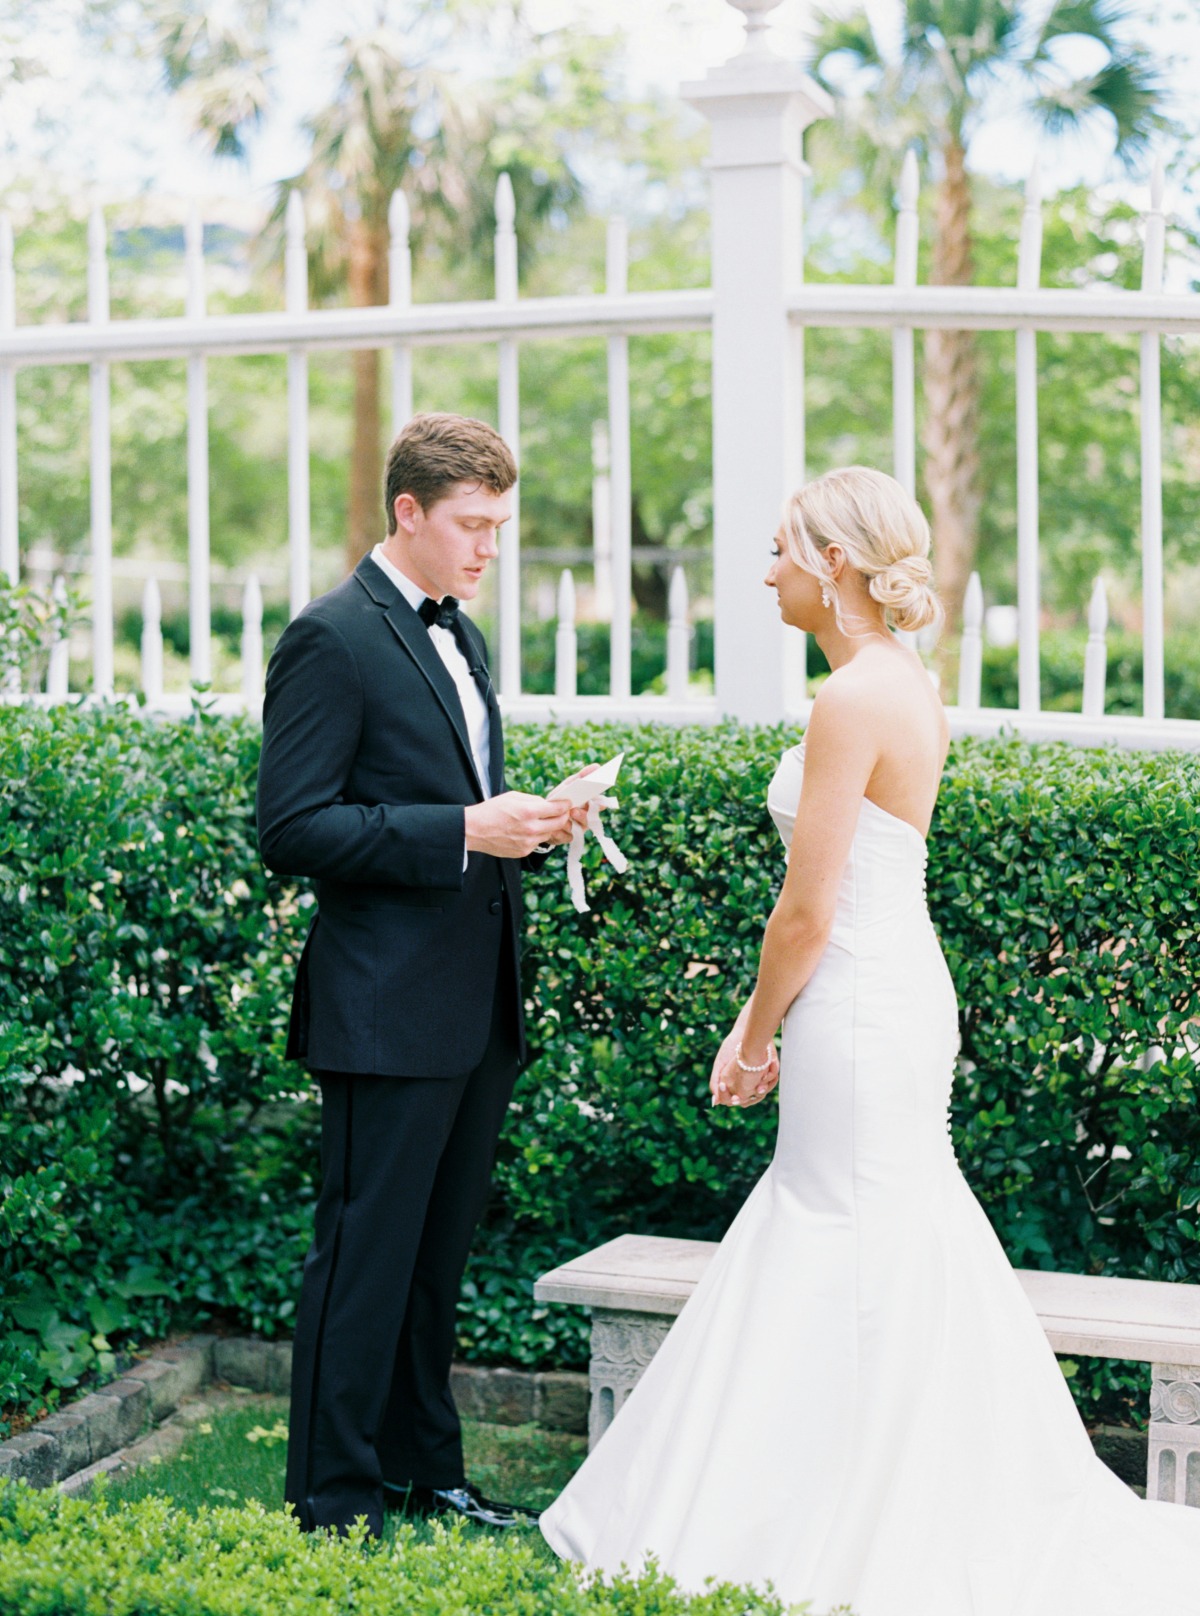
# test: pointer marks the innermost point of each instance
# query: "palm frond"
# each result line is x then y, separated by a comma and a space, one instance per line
1129, 91
852, 36
1101, 20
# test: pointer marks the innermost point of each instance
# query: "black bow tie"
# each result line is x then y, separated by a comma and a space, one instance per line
443, 613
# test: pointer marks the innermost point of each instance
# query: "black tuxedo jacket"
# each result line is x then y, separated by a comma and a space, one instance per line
366, 769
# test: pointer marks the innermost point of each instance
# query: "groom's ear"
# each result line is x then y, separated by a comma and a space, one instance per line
406, 511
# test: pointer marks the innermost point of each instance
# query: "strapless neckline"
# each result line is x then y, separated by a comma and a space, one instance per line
895, 819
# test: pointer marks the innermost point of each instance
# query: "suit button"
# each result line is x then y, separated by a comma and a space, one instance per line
495, 906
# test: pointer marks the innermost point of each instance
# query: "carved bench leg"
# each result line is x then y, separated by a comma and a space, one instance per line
622, 1345
1173, 1465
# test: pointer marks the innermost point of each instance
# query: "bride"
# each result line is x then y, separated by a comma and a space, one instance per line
858, 1406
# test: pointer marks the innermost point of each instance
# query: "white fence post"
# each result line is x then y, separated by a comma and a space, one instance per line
904, 429
252, 642
101, 468
679, 635
152, 643
1029, 274
400, 297
58, 668
10, 559
758, 106
510, 431
566, 639
970, 651
1152, 518
1095, 658
616, 284
299, 505
199, 605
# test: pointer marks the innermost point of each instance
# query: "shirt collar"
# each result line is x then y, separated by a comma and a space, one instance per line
413, 593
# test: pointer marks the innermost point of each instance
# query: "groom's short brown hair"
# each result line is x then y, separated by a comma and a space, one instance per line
436, 451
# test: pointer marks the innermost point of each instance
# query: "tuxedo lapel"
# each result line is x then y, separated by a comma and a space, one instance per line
474, 648
496, 737
414, 637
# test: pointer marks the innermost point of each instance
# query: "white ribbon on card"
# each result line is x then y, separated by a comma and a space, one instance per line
590, 791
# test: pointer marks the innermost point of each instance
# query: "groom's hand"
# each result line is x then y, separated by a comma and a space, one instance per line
511, 825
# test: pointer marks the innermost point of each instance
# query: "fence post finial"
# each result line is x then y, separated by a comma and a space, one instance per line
757, 41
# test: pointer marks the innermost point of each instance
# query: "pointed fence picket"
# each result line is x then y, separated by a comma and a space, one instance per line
101, 466
252, 643
509, 411
199, 569
59, 663
566, 639
1095, 665
400, 297
152, 643
299, 505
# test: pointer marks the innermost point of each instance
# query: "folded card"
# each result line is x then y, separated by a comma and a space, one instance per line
590, 791
579, 790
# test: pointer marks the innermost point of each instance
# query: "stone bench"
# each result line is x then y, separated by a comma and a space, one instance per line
635, 1285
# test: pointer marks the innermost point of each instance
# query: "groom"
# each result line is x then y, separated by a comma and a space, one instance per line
382, 778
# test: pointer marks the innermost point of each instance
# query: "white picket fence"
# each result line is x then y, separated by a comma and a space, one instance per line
757, 310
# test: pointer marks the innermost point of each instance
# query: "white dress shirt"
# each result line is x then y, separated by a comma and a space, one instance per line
479, 723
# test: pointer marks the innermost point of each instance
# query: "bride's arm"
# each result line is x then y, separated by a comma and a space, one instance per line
841, 750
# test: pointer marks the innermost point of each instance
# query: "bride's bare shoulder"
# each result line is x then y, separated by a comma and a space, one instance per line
878, 689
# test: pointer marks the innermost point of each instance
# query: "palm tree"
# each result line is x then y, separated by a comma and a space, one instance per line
931, 95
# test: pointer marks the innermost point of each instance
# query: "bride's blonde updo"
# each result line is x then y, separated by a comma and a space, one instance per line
881, 530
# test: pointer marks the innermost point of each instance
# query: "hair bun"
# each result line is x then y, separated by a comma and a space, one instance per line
904, 589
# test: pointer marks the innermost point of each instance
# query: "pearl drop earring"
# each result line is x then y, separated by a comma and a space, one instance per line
826, 597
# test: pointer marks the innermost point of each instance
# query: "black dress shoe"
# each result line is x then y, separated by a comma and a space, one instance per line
466, 1501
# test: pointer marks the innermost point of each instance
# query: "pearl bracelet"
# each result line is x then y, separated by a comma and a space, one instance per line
742, 1065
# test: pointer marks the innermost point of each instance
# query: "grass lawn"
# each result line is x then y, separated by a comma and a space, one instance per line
238, 1454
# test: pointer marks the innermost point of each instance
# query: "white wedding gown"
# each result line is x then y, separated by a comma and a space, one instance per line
858, 1404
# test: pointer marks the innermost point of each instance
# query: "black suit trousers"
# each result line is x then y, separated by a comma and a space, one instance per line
406, 1164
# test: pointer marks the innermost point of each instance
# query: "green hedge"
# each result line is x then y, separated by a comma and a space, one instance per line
74, 1557
142, 944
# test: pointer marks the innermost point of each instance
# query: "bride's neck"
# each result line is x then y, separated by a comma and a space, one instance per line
840, 647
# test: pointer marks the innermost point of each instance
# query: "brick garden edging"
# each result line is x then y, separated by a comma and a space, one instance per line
110, 1418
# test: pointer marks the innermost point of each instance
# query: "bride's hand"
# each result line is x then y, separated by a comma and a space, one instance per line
727, 1051
730, 1085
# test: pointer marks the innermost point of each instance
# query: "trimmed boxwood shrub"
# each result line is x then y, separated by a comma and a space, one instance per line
60, 1555
157, 1155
